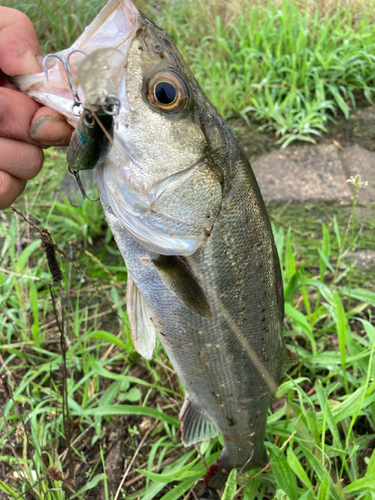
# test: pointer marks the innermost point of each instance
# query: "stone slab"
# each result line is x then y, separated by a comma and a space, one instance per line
357, 160
301, 174
363, 259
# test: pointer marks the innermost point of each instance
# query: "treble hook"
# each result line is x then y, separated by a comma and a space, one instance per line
81, 188
65, 63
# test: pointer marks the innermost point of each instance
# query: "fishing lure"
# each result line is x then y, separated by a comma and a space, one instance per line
100, 75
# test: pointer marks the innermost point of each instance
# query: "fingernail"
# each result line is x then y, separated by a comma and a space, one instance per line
50, 131
31, 63
40, 60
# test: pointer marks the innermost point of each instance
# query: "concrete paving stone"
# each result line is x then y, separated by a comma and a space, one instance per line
357, 160
302, 174
363, 259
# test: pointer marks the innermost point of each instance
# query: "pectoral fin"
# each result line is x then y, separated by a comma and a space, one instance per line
142, 329
178, 278
195, 426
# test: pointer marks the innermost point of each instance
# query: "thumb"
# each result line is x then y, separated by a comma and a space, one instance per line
20, 53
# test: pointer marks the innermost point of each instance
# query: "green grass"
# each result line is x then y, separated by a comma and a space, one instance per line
60, 407
289, 66
320, 430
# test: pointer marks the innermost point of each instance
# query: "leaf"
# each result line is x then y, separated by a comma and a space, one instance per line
366, 483
359, 294
341, 324
337, 231
301, 320
91, 484
319, 470
328, 413
290, 263
179, 490
324, 253
371, 465
153, 451
323, 492
179, 475
107, 336
230, 486
251, 489
297, 468
289, 385
292, 287
133, 395
26, 253
108, 410
155, 488
7, 489
369, 329
285, 478
110, 394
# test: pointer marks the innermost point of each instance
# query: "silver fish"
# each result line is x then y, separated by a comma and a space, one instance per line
187, 214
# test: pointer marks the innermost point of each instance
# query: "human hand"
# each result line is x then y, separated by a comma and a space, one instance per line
25, 126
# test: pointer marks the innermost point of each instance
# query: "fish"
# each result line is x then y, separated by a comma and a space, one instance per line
187, 214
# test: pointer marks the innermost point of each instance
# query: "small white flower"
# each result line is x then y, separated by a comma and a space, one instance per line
356, 181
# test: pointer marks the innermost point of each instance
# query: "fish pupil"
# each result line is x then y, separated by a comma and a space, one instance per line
165, 93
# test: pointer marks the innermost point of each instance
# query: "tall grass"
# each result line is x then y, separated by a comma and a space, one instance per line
70, 377
320, 429
291, 66
284, 65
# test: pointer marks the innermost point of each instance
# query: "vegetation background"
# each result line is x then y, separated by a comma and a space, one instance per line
81, 414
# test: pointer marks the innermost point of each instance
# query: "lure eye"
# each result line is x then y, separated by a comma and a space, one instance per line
167, 92
89, 119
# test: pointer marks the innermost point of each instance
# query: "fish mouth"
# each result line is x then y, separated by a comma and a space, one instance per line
115, 26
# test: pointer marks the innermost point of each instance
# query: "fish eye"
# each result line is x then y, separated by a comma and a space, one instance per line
167, 92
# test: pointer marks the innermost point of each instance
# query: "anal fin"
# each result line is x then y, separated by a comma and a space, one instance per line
179, 279
195, 426
142, 329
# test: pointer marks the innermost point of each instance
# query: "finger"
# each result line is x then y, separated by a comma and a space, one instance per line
20, 159
16, 113
19, 47
10, 189
49, 128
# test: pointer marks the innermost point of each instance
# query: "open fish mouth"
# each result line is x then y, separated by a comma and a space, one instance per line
114, 27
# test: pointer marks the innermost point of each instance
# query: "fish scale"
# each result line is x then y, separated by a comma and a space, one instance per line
189, 219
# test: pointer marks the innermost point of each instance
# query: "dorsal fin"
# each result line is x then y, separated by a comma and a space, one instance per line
142, 329
179, 279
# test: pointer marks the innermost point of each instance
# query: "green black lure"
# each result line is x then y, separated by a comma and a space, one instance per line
100, 76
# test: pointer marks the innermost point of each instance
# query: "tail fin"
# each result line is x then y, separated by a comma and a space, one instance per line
216, 476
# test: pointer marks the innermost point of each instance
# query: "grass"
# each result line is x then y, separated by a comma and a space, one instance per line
69, 413
289, 66
81, 414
